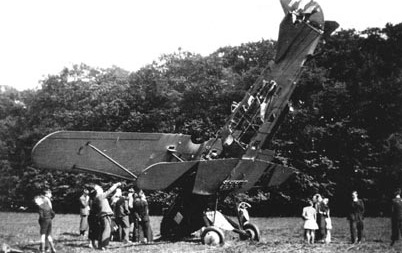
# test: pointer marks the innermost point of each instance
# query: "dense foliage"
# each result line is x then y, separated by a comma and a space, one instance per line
344, 132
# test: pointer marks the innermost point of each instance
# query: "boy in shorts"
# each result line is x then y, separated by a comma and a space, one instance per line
46, 214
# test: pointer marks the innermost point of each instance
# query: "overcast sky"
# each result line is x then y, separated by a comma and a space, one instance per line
40, 37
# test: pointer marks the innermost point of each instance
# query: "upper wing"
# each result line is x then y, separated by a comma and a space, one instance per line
121, 154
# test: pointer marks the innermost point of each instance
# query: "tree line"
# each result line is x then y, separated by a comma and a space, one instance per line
344, 131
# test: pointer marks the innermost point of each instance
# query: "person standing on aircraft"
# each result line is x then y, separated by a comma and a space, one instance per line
356, 217
267, 98
46, 214
105, 214
84, 211
309, 215
396, 217
142, 215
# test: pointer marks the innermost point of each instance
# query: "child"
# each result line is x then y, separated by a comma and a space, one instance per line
328, 222
310, 225
46, 215
243, 213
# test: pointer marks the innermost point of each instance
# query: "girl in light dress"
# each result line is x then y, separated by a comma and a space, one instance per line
310, 224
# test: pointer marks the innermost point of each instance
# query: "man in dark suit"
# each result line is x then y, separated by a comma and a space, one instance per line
356, 217
396, 217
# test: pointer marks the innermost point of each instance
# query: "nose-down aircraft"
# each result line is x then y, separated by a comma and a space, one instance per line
230, 163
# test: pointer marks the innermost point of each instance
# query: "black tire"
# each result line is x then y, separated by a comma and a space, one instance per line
210, 233
253, 231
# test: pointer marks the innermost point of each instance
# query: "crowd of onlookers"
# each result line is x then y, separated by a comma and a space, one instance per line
124, 216
104, 215
318, 225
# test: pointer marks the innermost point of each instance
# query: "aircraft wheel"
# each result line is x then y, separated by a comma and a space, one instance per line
212, 236
253, 231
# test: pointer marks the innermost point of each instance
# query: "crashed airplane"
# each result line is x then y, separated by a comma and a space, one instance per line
230, 163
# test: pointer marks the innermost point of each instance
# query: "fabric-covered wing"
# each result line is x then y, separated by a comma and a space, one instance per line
208, 177
67, 150
160, 176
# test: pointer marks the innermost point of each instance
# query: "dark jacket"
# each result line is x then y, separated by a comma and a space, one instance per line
121, 207
141, 209
45, 212
396, 209
356, 212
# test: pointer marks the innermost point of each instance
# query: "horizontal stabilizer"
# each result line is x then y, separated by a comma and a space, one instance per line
330, 27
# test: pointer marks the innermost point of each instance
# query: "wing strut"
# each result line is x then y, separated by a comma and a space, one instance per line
75, 167
172, 151
110, 159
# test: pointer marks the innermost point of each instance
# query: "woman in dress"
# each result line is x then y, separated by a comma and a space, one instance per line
310, 224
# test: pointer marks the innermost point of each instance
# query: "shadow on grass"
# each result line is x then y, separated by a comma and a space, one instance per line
30, 247
75, 245
71, 234
190, 239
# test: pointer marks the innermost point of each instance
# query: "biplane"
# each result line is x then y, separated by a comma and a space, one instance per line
231, 162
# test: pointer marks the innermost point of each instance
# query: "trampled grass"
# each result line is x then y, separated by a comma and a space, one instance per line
21, 231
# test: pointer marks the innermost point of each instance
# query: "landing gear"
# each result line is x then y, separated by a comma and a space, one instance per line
216, 222
212, 236
252, 231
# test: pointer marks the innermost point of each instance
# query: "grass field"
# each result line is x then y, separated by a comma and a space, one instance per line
20, 230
